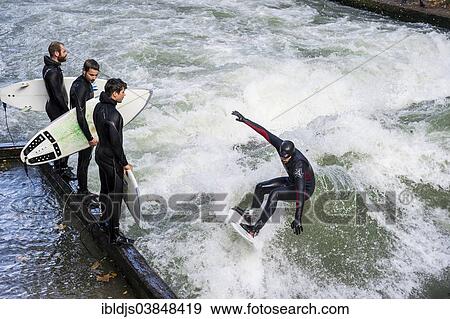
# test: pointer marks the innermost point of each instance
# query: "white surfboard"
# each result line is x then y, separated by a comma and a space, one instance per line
237, 218
241, 231
64, 136
131, 196
32, 95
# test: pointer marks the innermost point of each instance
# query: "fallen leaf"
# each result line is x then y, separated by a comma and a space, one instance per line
103, 278
22, 259
61, 226
106, 277
95, 265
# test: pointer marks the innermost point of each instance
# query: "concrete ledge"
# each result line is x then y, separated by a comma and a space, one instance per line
145, 282
404, 12
10, 151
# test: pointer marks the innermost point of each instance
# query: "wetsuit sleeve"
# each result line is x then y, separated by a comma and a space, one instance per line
78, 97
300, 192
56, 90
271, 138
115, 142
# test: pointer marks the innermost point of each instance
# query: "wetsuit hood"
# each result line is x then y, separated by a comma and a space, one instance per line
287, 148
104, 98
49, 62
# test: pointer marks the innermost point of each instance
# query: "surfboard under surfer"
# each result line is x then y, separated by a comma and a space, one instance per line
298, 186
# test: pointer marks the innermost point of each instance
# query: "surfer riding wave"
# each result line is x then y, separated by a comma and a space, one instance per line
298, 186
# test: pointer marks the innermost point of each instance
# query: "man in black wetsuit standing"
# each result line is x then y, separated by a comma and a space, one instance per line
57, 102
80, 92
110, 157
298, 186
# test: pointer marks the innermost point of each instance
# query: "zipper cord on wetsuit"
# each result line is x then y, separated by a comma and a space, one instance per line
7, 126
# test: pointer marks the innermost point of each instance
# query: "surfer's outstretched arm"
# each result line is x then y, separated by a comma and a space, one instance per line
299, 203
271, 138
300, 196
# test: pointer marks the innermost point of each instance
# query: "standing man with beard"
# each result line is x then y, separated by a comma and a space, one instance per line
57, 102
110, 157
80, 92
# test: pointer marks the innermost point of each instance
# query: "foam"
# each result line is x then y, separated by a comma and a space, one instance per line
261, 60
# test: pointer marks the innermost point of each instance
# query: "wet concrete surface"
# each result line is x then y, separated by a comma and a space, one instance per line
41, 255
407, 10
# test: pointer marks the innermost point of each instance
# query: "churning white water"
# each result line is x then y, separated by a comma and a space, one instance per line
378, 123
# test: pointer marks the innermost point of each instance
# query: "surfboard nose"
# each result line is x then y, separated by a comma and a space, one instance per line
22, 156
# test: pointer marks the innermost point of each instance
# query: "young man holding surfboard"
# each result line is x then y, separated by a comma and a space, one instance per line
110, 157
58, 100
298, 186
80, 92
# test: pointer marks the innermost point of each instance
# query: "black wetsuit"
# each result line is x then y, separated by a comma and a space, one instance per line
298, 186
80, 92
111, 159
57, 102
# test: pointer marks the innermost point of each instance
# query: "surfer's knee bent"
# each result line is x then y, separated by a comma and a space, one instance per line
259, 186
273, 196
